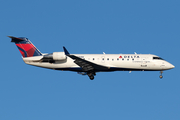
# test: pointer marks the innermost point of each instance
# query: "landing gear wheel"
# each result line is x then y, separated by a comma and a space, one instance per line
91, 77
161, 76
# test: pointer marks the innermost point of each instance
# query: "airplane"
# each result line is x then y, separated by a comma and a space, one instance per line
89, 64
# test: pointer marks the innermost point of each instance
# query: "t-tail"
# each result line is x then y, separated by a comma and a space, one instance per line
26, 48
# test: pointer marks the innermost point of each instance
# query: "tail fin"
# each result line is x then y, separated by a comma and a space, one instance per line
26, 48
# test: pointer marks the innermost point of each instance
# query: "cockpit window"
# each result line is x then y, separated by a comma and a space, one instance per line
157, 58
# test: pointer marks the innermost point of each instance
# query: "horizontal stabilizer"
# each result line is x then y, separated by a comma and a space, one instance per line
15, 39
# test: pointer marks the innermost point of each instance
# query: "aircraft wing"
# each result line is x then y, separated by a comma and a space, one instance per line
84, 64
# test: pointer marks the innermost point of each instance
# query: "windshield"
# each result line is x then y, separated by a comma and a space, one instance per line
157, 58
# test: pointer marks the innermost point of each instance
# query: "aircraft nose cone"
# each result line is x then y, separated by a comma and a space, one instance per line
171, 66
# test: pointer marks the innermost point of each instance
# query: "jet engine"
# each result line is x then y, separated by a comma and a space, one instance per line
59, 56
55, 56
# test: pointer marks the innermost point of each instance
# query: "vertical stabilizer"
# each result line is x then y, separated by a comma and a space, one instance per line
26, 48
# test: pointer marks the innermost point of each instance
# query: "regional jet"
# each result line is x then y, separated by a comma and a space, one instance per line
89, 64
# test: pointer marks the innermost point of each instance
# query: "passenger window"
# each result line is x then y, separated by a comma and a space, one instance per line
107, 58
117, 58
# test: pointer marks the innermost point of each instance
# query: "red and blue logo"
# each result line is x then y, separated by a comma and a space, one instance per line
26, 48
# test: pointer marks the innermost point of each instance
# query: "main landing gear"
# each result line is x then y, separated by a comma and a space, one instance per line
91, 75
161, 75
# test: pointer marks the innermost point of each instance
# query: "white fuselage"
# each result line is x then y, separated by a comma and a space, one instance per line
89, 64
115, 62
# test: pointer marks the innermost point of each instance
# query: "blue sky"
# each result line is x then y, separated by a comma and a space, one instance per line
94, 26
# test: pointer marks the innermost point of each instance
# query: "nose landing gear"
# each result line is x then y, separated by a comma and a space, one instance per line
161, 75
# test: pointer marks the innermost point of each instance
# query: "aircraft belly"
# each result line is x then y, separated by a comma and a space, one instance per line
126, 65
51, 65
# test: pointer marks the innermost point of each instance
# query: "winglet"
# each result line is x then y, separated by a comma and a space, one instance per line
65, 50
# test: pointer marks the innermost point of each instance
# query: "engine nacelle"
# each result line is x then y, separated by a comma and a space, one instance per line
59, 56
